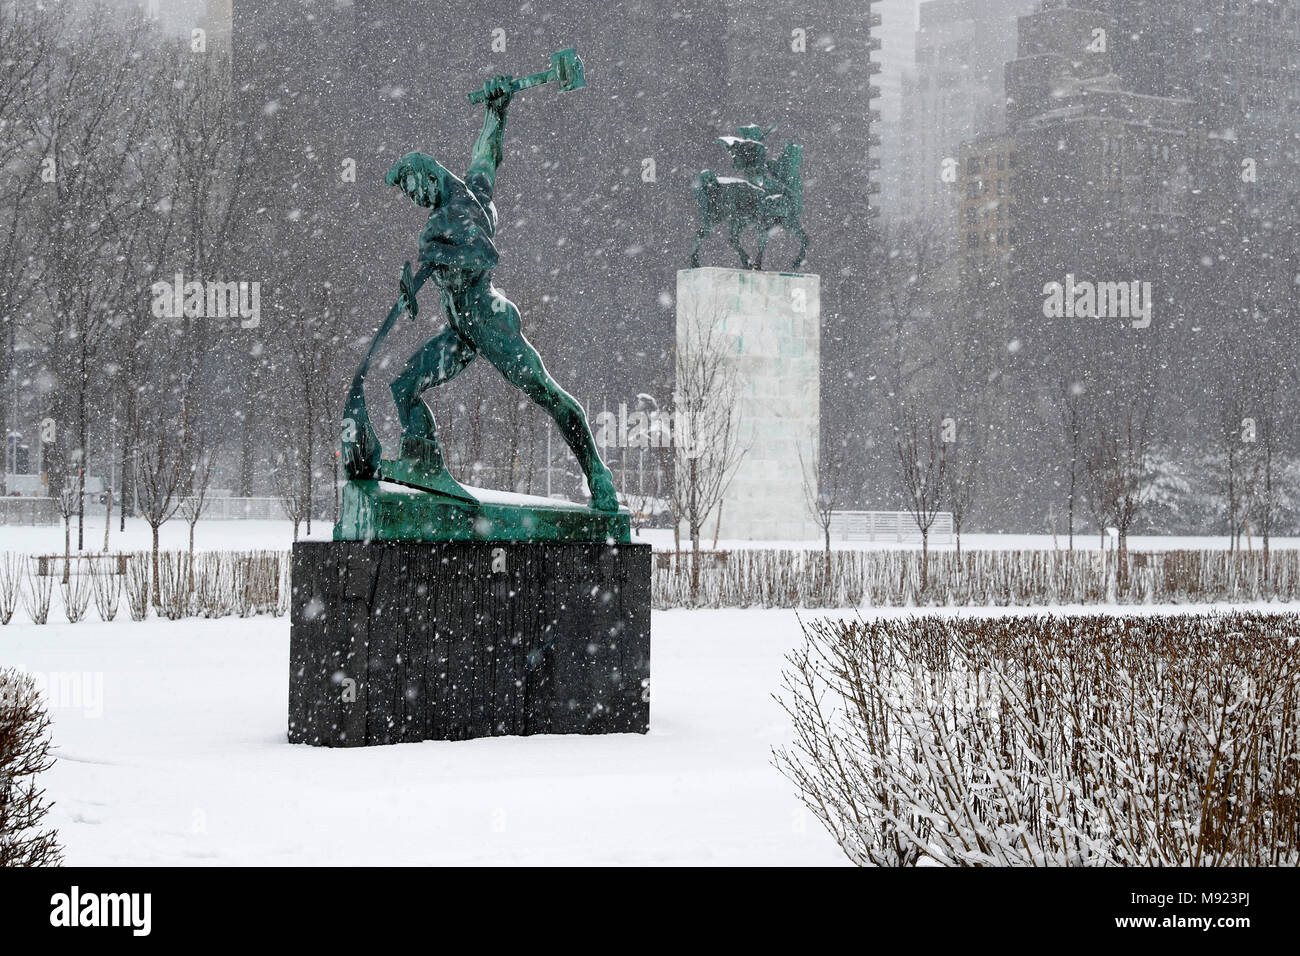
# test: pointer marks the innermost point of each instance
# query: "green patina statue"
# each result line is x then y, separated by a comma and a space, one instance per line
763, 195
458, 253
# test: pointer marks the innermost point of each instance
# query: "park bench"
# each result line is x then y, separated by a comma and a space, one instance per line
715, 559
47, 563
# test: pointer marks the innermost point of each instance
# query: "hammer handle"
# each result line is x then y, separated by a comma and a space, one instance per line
537, 79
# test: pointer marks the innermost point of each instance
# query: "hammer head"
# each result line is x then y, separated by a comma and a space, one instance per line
568, 69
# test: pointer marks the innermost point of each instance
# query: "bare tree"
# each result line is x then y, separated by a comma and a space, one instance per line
313, 338
909, 268
194, 503
28, 34
290, 483
821, 493
707, 443
1118, 476
87, 127
962, 476
923, 464
1241, 461
69, 501
1266, 497
1072, 424
208, 145
160, 477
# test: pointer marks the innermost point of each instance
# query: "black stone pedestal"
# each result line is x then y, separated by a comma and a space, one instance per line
404, 641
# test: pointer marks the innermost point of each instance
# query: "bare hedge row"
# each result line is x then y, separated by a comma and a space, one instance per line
220, 583
207, 584
1089, 740
758, 578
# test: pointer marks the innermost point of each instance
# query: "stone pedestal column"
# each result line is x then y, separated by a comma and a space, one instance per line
769, 323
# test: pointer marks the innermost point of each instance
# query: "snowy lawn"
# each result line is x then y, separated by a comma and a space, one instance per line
188, 763
186, 760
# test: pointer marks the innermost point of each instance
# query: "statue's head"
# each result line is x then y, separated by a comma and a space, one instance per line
420, 176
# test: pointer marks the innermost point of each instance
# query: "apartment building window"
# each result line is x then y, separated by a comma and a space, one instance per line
972, 240
973, 165
973, 189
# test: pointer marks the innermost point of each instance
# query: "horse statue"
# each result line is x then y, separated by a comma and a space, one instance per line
766, 194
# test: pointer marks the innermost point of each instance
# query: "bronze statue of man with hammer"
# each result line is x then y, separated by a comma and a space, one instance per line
457, 252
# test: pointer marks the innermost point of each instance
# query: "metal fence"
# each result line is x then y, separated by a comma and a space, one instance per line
28, 511
888, 526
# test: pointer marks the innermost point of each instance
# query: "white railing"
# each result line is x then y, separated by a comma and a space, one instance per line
898, 526
241, 509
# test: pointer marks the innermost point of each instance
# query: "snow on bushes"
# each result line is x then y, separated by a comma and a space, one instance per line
24, 754
1089, 740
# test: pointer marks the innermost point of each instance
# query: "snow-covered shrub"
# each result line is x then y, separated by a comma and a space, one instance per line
76, 593
137, 585
11, 582
36, 596
175, 584
24, 753
284, 583
106, 585
771, 578
213, 584
1051, 741
256, 582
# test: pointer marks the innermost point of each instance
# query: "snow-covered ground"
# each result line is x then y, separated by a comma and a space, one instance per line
174, 535
247, 535
183, 760
171, 750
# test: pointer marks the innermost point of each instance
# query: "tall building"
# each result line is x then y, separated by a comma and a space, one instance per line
897, 35
1239, 63
1114, 193
986, 212
1110, 177
954, 94
897, 58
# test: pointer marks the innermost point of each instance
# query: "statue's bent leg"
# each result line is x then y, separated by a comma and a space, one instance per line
439, 360
802, 236
734, 228
700, 236
764, 235
496, 334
